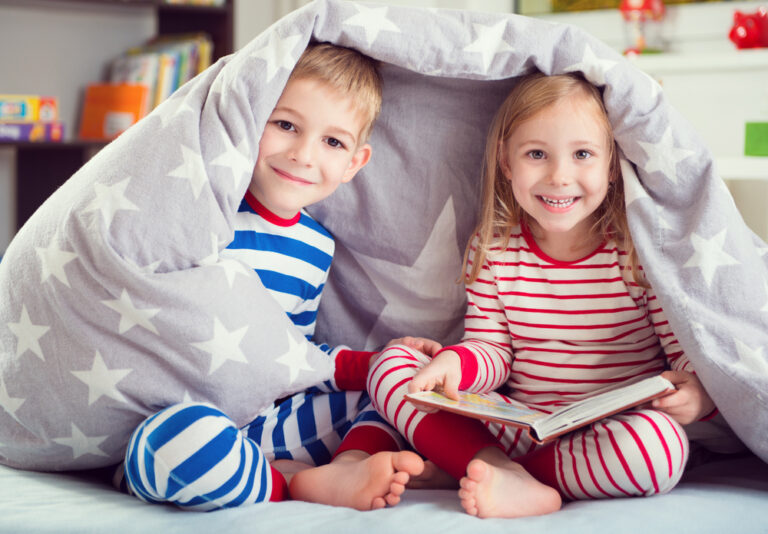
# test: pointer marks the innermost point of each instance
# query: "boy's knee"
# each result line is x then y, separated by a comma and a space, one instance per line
175, 447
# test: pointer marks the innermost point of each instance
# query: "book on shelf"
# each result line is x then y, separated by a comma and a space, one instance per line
111, 108
163, 64
541, 426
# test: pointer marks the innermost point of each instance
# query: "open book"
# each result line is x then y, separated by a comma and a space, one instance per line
541, 426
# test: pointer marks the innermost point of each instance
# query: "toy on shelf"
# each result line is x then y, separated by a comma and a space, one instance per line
750, 30
642, 25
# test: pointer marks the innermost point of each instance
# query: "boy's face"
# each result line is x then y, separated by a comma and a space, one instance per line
309, 147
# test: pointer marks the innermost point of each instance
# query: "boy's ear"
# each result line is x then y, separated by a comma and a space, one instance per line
359, 160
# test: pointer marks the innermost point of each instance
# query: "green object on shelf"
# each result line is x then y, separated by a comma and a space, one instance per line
756, 139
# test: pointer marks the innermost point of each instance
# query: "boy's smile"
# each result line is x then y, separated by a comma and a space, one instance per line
309, 147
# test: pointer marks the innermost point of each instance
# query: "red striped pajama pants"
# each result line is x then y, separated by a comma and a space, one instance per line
639, 452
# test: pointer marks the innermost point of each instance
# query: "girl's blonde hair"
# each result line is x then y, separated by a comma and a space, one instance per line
500, 212
347, 71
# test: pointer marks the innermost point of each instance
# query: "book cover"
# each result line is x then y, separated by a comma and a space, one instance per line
137, 68
109, 109
541, 426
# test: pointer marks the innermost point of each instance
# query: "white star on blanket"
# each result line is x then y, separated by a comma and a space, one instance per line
53, 260
278, 53
373, 20
110, 199
489, 42
28, 334
223, 345
295, 358
439, 266
709, 255
102, 381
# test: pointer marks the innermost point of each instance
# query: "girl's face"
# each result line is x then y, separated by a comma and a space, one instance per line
557, 162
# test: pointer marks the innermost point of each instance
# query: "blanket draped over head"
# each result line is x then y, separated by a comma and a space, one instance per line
114, 302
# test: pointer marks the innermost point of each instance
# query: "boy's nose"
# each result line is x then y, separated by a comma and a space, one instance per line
301, 152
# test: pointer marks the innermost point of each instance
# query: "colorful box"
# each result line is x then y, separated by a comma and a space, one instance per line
31, 131
18, 108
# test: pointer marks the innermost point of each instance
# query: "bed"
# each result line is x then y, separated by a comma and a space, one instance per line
99, 327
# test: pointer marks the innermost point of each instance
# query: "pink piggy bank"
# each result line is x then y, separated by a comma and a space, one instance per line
750, 30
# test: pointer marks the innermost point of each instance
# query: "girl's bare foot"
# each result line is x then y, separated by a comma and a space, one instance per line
357, 480
505, 489
432, 477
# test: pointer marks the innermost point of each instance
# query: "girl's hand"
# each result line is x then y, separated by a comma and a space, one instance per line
429, 347
689, 403
443, 373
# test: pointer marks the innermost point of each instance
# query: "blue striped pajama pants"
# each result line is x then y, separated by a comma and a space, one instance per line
194, 456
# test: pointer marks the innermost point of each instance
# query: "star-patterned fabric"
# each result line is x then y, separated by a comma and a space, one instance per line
114, 302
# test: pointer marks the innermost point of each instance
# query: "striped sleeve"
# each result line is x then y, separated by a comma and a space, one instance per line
486, 348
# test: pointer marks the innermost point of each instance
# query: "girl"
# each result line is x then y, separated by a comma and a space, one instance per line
558, 310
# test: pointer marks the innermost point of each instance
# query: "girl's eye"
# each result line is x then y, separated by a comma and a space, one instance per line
284, 125
536, 154
582, 154
334, 143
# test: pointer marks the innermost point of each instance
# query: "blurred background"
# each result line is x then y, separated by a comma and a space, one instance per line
75, 73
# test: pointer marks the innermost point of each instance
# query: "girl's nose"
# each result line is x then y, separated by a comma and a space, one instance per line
560, 174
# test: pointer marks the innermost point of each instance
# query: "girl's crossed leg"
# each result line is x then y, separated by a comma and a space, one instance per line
637, 453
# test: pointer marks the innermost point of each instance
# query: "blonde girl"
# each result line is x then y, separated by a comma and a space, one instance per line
558, 310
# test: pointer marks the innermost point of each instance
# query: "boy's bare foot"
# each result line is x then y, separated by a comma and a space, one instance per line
432, 477
357, 480
505, 490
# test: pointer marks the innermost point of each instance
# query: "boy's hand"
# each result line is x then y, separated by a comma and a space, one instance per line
429, 347
443, 373
689, 403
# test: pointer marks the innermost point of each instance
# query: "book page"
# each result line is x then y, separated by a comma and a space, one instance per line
478, 406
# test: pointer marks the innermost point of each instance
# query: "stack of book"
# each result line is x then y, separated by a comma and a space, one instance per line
141, 79
163, 64
30, 118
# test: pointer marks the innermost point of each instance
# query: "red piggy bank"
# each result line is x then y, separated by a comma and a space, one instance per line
750, 30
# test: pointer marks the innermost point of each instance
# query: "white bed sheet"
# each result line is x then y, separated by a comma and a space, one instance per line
720, 497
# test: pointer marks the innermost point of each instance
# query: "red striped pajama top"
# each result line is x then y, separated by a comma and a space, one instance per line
557, 332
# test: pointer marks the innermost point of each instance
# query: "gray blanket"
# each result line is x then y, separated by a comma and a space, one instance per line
114, 301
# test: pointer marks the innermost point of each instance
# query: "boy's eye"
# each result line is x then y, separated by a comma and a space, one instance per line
284, 125
334, 143
582, 154
536, 154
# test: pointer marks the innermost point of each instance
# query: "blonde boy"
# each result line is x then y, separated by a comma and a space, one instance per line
315, 139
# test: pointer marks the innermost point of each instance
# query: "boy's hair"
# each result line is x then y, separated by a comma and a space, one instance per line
500, 211
347, 71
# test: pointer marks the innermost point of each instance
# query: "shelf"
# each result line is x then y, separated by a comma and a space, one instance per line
743, 168
735, 60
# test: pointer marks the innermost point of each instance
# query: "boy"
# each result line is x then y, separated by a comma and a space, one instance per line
193, 455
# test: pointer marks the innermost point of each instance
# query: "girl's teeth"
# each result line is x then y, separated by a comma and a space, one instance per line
558, 203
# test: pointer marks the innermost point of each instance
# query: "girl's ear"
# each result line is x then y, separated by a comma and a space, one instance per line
359, 160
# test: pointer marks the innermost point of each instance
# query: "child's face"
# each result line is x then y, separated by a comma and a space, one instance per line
309, 147
558, 164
